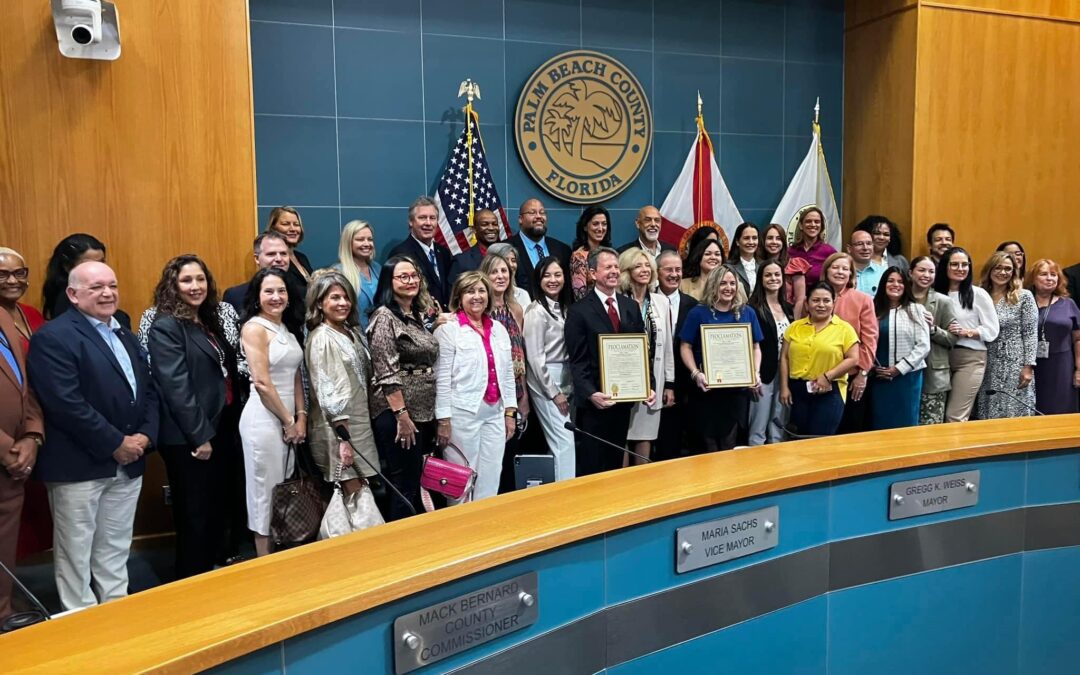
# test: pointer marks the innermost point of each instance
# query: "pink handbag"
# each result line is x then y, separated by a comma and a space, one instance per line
447, 478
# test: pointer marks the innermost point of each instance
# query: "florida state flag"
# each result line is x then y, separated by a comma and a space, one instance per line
699, 198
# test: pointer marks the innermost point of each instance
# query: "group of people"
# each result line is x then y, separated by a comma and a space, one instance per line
427, 351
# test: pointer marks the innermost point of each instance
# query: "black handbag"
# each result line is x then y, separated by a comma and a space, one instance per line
297, 509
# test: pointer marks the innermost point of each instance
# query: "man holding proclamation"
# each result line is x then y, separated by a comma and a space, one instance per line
601, 312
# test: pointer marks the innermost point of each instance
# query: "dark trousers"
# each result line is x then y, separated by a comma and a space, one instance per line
612, 424
200, 502
815, 414
856, 413
401, 466
11, 503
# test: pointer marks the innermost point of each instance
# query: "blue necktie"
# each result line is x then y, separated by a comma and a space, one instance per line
434, 265
9, 356
539, 253
121, 354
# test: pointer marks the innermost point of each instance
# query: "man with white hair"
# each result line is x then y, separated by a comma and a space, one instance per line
648, 228
101, 417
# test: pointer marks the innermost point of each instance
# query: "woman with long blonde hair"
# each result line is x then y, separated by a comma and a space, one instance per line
1010, 359
356, 260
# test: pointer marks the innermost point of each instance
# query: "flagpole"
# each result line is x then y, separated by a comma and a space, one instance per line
699, 205
470, 89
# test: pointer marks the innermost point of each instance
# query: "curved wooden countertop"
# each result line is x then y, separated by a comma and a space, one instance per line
201, 622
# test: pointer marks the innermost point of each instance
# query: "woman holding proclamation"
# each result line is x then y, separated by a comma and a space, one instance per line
718, 412
1057, 368
637, 276
819, 352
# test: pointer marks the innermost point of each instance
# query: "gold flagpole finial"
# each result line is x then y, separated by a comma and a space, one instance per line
470, 90
817, 109
699, 103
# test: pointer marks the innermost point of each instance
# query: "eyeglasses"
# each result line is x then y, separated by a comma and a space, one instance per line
21, 274
406, 278
959, 265
541, 212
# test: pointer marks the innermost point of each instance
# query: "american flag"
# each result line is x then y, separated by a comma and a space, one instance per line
452, 195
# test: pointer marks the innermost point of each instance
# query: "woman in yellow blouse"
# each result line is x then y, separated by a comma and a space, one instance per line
818, 352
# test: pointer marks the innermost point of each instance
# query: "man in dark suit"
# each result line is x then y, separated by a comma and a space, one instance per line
670, 441
420, 245
601, 311
533, 244
1072, 276
21, 434
486, 225
101, 417
271, 250
648, 239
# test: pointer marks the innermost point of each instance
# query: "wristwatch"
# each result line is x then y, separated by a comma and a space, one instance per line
864, 373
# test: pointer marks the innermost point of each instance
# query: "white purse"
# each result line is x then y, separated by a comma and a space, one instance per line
349, 514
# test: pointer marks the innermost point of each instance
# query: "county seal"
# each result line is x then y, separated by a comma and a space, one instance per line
584, 126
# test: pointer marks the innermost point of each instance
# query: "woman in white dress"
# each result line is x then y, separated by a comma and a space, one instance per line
548, 374
637, 276
274, 416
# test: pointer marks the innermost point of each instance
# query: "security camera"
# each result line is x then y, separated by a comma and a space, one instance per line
87, 29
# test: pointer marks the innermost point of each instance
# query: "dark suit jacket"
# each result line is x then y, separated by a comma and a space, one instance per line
524, 275
293, 276
682, 375
438, 286
770, 350
88, 404
664, 246
234, 295
20, 413
466, 262
188, 373
585, 320
1072, 273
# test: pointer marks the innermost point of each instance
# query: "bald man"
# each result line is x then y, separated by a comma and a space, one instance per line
101, 417
648, 229
486, 226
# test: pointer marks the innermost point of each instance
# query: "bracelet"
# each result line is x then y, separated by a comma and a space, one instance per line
400, 411
510, 415
301, 412
292, 421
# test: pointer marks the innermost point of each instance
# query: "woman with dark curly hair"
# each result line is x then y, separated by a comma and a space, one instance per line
194, 366
706, 256
593, 229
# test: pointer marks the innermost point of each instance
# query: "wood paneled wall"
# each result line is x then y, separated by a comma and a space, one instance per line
986, 138
152, 153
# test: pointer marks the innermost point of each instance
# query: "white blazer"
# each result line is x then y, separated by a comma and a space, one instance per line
461, 371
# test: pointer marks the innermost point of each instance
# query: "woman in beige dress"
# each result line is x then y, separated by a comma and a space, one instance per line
339, 366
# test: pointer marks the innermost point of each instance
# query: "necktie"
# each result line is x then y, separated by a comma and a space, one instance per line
613, 314
434, 265
539, 253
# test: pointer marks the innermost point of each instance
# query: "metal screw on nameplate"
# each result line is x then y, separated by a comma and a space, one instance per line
687, 547
769, 526
970, 487
898, 499
411, 641
526, 599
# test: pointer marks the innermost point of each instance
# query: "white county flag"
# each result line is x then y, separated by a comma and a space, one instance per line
699, 197
811, 187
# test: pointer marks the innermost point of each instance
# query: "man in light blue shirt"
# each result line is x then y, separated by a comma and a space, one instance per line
867, 274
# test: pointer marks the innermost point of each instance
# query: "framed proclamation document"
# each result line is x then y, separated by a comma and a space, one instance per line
727, 355
624, 366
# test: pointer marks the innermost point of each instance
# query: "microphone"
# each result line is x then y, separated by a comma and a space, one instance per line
343, 433
572, 427
19, 620
995, 392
